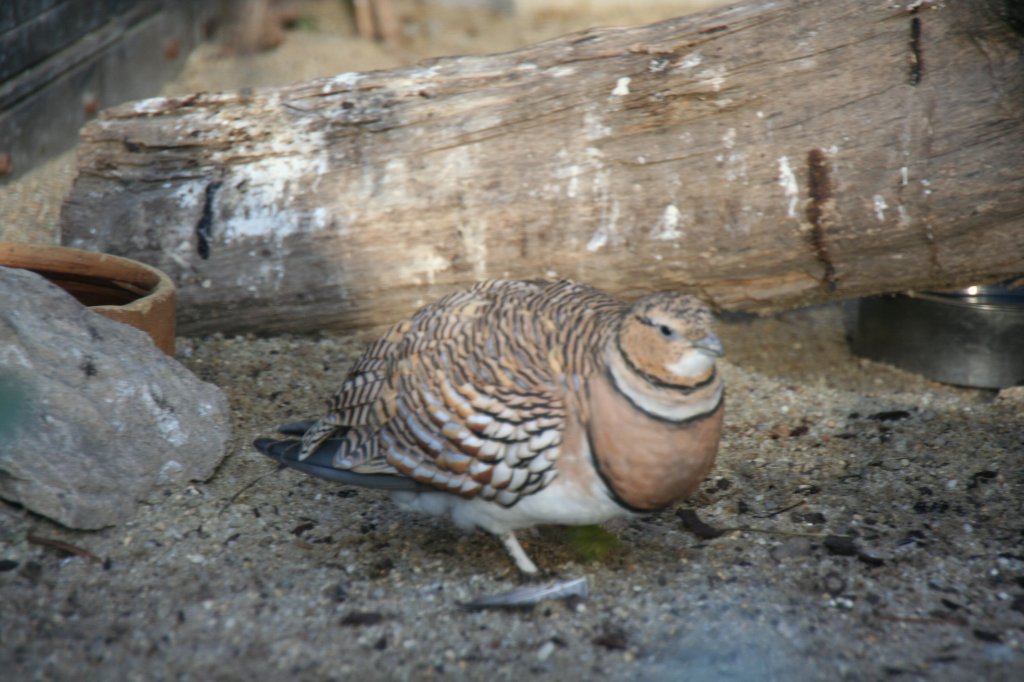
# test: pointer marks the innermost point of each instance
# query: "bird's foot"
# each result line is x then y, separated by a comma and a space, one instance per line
526, 567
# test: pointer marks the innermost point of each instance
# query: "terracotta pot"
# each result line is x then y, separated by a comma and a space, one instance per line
119, 288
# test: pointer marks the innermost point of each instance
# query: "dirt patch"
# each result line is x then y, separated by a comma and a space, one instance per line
887, 540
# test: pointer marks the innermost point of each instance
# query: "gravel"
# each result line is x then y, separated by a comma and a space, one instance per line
883, 537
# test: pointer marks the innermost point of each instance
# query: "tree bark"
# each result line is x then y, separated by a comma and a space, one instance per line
766, 155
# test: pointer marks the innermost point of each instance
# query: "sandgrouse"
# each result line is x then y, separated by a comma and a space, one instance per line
518, 403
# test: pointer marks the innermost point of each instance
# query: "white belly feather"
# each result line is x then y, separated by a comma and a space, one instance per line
562, 502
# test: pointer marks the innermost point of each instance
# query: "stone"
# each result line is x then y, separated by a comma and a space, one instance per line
791, 548
93, 417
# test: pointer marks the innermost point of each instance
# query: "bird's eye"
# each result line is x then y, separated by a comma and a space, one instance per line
666, 331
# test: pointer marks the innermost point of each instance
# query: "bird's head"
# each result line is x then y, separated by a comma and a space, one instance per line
667, 341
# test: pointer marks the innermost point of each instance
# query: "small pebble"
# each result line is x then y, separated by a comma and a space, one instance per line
791, 548
841, 545
834, 584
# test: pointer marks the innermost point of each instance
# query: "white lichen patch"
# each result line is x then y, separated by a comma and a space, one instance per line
787, 180
568, 171
690, 61
667, 227
250, 201
729, 139
735, 166
271, 273
597, 240
415, 77
621, 88
573, 188
421, 265
609, 211
342, 82
902, 215
254, 193
474, 238
562, 71
879, 203
658, 64
593, 127
153, 105
712, 77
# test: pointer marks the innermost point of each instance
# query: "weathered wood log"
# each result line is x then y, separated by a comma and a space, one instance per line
767, 155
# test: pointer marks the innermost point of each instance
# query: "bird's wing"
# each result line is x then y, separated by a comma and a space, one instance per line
467, 397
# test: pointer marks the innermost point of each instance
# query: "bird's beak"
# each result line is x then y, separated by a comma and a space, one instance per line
711, 346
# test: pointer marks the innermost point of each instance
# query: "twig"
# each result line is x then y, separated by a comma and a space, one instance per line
919, 620
231, 500
696, 526
706, 531
772, 531
768, 515
66, 547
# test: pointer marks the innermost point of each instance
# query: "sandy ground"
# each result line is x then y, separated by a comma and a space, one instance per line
258, 574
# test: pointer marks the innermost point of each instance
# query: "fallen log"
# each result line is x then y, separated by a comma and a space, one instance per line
766, 155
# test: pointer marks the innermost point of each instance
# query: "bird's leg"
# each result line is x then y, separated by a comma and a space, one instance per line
515, 550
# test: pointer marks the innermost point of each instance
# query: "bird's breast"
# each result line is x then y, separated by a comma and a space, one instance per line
646, 461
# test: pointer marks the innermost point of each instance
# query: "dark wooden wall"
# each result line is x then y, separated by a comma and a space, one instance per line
61, 61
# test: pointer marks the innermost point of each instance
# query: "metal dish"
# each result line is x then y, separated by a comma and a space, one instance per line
969, 337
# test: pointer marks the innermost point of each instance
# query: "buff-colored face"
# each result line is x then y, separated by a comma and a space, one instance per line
667, 339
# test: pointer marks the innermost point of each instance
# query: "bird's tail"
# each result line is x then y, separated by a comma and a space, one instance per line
320, 462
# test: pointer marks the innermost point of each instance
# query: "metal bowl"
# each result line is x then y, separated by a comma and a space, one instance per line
968, 337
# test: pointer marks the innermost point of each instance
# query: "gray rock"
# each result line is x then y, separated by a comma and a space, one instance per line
92, 416
791, 548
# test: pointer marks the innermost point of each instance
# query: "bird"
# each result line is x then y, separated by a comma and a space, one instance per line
517, 403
